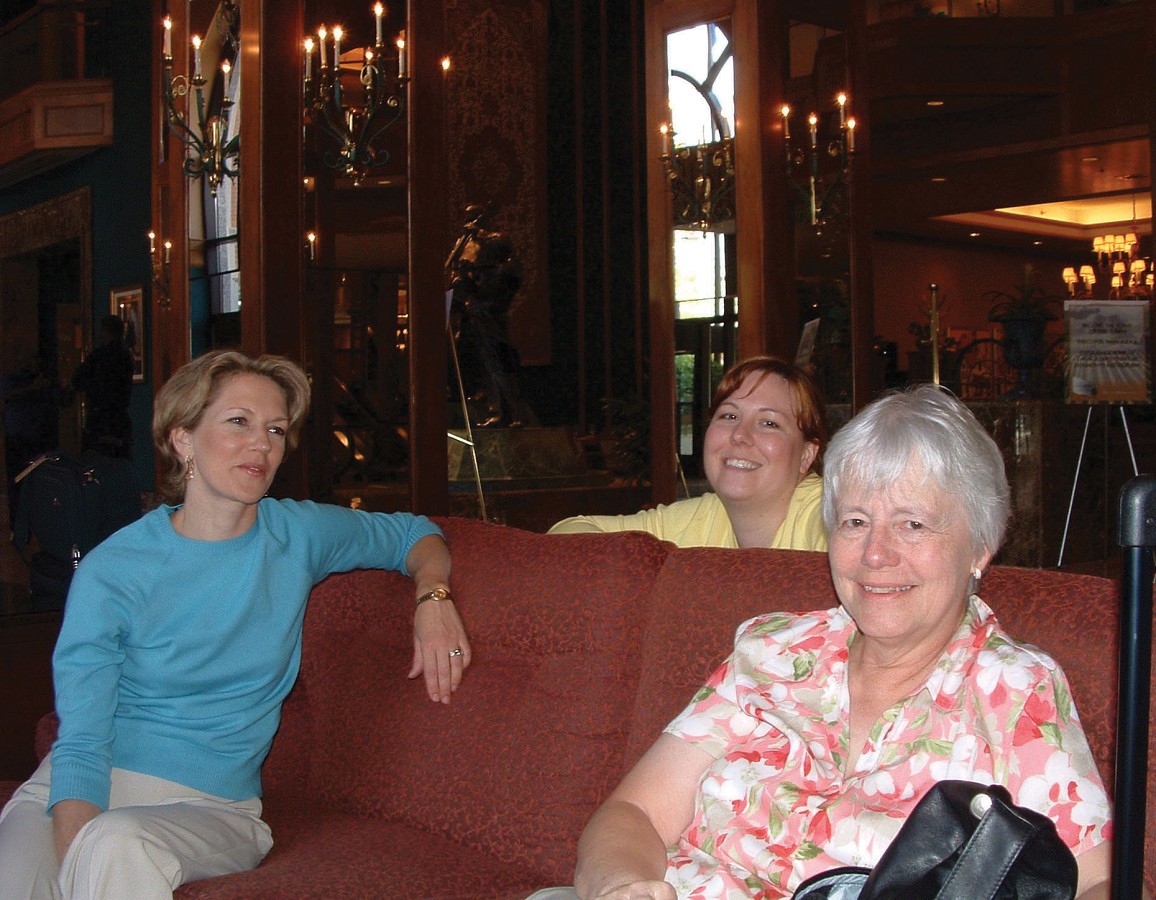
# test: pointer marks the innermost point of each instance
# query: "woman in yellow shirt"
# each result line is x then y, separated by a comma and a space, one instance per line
762, 454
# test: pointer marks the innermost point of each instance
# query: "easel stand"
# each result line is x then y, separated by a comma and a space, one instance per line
1079, 465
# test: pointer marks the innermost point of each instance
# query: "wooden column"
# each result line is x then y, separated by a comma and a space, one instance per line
660, 275
169, 294
1150, 68
270, 217
863, 386
428, 227
768, 310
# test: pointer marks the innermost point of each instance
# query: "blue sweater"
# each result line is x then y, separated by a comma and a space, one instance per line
175, 655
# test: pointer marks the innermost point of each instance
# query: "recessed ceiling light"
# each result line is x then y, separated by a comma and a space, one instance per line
1089, 159
974, 234
938, 179
1037, 243
935, 103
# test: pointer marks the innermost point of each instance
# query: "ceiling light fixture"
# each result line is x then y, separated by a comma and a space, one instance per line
1132, 274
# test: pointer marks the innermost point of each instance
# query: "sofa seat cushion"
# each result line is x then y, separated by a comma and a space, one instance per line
319, 852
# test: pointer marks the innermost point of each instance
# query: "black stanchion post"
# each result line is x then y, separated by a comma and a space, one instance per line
1137, 537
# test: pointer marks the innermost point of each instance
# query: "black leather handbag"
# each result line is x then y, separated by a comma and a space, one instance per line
963, 841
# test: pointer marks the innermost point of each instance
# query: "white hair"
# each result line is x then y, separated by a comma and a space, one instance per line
929, 425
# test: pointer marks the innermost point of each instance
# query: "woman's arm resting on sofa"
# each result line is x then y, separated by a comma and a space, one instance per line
437, 628
622, 852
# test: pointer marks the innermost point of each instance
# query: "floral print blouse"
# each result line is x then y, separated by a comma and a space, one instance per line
776, 807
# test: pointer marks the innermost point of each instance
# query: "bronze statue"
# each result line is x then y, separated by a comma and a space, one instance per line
484, 277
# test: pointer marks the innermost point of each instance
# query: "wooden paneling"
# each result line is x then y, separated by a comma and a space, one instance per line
52, 123
428, 227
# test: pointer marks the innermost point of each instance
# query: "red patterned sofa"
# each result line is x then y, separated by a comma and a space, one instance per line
584, 647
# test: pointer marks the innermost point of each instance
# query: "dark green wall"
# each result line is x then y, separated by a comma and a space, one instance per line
118, 177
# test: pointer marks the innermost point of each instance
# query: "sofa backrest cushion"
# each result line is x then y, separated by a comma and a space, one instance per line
701, 596
531, 742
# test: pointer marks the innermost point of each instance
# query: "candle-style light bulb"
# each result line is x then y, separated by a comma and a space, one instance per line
152, 242
308, 58
445, 63
337, 33
378, 12
322, 34
226, 68
402, 62
851, 123
813, 121
168, 38
168, 252
785, 110
196, 56
841, 99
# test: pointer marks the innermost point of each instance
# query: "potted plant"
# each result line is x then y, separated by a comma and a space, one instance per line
1023, 313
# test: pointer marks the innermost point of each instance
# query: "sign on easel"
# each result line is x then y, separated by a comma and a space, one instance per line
1108, 358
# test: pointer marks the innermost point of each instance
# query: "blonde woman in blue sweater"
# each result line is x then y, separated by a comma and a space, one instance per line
182, 637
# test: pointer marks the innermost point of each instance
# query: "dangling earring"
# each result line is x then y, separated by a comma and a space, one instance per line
190, 468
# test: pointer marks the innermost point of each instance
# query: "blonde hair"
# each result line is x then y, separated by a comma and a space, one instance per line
194, 386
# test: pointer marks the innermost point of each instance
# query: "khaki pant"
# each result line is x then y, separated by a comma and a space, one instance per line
155, 836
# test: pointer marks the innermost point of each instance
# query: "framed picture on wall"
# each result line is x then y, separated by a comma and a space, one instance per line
128, 304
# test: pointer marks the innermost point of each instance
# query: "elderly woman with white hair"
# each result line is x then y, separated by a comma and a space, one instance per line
812, 743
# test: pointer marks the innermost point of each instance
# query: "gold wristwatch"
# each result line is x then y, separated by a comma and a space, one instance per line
435, 594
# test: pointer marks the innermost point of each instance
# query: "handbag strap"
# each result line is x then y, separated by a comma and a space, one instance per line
988, 854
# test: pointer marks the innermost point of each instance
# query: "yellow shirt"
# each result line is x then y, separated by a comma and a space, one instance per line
703, 521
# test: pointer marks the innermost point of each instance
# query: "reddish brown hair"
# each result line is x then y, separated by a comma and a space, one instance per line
810, 407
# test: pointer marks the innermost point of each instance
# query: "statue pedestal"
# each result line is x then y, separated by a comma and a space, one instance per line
522, 457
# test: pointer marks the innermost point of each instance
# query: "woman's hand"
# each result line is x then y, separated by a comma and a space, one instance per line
68, 817
441, 650
438, 635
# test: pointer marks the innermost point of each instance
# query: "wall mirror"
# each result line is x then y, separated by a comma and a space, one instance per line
213, 233
698, 159
356, 241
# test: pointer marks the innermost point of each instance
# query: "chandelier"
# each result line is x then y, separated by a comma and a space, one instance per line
1131, 273
354, 101
210, 151
702, 182
819, 169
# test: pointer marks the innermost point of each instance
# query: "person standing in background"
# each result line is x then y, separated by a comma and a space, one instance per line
105, 379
